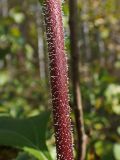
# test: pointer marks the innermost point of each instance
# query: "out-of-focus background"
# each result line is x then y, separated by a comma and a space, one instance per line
24, 76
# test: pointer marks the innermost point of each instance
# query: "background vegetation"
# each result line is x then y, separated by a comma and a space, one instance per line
24, 77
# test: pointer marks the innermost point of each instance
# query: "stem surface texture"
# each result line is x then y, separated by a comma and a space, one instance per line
58, 77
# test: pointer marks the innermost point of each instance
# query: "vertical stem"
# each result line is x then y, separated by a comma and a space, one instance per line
5, 8
40, 42
58, 76
77, 102
101, 47
86, 31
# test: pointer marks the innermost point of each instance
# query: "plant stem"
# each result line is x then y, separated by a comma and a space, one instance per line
58, 76
77, 101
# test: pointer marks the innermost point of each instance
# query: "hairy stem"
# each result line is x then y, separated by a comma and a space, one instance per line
58, 75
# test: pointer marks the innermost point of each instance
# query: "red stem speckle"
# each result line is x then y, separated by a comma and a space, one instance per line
58, 75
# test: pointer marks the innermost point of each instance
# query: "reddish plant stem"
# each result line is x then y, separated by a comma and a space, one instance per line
58, 75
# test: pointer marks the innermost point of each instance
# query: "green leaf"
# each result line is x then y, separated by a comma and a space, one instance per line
116, 151
38, 154
28, 134
24, 156
104, 152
